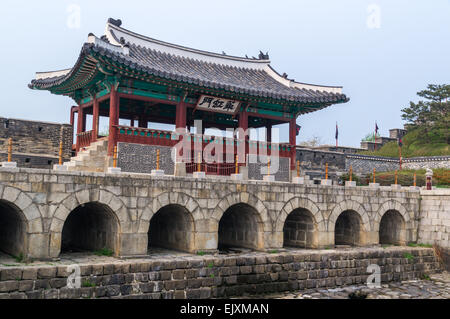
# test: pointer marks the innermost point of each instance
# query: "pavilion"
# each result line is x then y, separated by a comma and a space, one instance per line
125, 75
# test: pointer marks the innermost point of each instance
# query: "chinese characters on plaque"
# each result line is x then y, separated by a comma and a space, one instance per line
216, 104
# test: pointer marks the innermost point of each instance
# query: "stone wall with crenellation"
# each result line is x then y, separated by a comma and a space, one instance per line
35, 144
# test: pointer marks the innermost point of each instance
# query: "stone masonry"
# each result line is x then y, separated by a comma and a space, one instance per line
35, 144
43, 202
197, 277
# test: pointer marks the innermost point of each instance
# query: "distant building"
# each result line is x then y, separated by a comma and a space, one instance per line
397, 133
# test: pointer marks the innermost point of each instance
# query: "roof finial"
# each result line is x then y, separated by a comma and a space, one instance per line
115, 22
263, 56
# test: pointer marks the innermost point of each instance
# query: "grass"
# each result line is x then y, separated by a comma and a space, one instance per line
104, 252
408, 256
441, 178
20, 258
273, 251
201, 253
87, 284
413, 146
426, 277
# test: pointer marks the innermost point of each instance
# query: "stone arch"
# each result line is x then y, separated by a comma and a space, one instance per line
349, 205
172, 227
25, 206
13, 230
405, 222
241, 227
91, 227
166, 199
391, 205
83, 197
242, 198
300, 203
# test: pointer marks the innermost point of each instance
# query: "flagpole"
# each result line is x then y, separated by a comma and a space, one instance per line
337, 136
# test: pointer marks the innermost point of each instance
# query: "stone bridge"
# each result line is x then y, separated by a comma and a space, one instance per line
44, 213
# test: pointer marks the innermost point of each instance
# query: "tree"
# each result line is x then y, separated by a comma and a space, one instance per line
313, 142
370, 137
432, 115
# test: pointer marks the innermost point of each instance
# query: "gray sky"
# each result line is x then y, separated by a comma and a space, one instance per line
381, 51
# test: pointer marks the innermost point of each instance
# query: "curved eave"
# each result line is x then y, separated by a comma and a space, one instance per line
133, 69
108, 56
71, 80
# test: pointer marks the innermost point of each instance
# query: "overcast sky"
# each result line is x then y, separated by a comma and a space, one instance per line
381, 51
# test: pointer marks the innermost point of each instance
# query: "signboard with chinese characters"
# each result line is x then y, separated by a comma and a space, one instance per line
219, 105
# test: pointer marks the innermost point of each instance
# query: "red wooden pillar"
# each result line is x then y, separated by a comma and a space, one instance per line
132, 122
180, 119
95, 119
73, 110
80, 126
269, 133
113, 120
243, 124
143, 123
293, 141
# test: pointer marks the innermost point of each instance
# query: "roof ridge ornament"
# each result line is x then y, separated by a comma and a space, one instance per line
263, 56
116, 22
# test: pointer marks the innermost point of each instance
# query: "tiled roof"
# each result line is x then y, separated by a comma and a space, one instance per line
253, 77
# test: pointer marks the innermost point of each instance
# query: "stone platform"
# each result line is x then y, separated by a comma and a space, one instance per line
184, 276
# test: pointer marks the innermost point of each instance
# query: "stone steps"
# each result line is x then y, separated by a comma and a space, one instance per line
91, 159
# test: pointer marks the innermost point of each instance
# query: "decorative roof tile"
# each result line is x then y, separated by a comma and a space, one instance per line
156, 58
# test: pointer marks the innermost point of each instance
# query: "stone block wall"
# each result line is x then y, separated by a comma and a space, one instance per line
216, 277
316, 160
255, 166
35, 144
363, 164
434, 226
431, 162
139, 158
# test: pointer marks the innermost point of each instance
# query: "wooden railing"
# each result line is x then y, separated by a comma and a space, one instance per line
226, 145
85, 139
220, 169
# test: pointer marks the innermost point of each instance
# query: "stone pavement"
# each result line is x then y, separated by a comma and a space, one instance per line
437, 286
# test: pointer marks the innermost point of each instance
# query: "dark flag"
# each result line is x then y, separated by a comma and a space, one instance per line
298, 128
376, 129
337, 132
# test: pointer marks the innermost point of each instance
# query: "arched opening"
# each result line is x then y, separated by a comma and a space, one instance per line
240, 227
348, 230
13, 229
91, 227
300, 229
172, 227
392, 229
